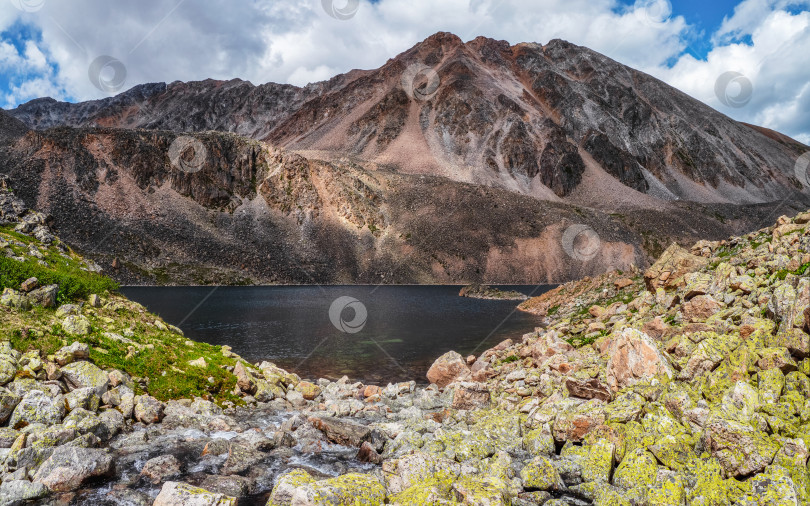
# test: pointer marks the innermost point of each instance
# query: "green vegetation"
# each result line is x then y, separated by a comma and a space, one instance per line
123, 335
61, 269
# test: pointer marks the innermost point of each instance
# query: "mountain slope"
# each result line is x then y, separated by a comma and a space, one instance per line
527, 118
452, 163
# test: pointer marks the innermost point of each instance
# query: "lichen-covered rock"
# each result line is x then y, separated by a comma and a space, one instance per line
598, 464
309, 390
8, 368
540, 474
539, 442
448, 368
69, 467
148, 410
20, 491
37, 407
578, 420
638, 469
633, 356
83, 374
181, 494
772, 488
410, 470
8, 401
346, 490
740, 449
76, 325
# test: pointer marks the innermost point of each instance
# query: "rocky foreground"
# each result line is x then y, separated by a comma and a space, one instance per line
687, 385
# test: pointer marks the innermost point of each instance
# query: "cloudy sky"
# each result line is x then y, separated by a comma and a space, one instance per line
746, 58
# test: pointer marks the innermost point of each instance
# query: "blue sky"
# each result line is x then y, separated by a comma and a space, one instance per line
48, 47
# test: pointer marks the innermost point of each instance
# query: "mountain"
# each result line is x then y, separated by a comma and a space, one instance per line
453, 162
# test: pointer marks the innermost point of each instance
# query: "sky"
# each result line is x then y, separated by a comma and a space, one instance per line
749, 59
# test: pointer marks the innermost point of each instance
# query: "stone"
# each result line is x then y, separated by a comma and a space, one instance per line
44, 296
37, 407
368, 453
19, 491
448, 368
83, 374
29, 284
76, 325
94, 300
346, 490
148, 410
76, 351
539, 474
341, 431
588, 389
285, 486
632, 357
468, 396
181, 494
598, 464
308, 390
672, 265
70, 466
700, 308
85, 398
8, 401
637, 469
200, 362
233, 486
574, 423
160, 468
740, 449
244, 379
8, 369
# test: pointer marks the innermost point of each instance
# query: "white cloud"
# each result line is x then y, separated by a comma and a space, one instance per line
294, 41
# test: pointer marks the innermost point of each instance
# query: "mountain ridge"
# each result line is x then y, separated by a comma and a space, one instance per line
497, 150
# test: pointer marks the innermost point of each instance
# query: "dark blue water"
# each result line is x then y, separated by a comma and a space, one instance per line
379, 335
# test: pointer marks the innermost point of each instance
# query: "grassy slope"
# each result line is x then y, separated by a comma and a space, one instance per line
150, 348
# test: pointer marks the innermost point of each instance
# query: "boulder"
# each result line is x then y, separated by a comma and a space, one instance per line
8, 401
44, 296
244, 379
37, 407
588, 389
159, 468
70, 466
148, 410
448, 368
741, 449
670, 268
76, 325
84, 374
539, 474
341, 431
287, 485
470, 396
181, 494
21, 491
700, 308
8, 369
308, 390
632, 357
346, 490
